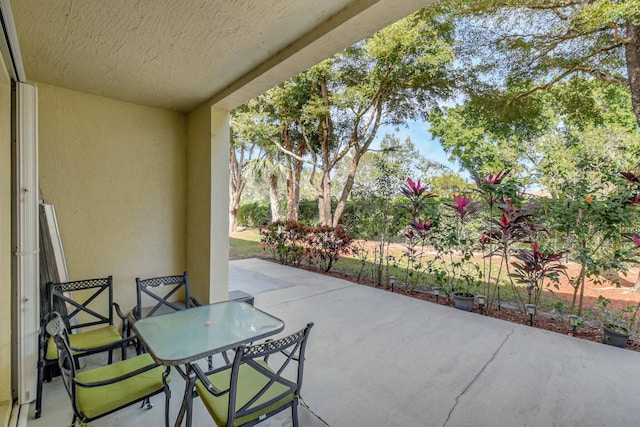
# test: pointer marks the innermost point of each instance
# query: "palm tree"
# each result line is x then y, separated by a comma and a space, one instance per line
269, 165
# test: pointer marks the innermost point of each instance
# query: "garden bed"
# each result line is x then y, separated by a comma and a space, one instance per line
621, 296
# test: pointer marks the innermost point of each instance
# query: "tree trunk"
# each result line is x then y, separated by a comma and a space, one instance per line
293, 177
348, 185
290, 213
236, 186
293, 189
274, 197
632, 55
288, 144
324, 199
233, 221
297, 173
234, 205
637, 285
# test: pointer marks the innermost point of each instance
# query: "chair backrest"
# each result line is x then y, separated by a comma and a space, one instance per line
89, 302
160, 291
278, 354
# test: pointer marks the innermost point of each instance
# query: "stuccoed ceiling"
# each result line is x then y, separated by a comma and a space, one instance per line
178, 54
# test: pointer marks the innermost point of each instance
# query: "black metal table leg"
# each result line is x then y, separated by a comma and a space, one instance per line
167, 395
187, 400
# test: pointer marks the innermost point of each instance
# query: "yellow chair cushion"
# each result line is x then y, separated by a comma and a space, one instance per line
250, 382
95, 401
90, 339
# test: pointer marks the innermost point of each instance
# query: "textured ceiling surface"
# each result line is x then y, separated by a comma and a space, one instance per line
177, 54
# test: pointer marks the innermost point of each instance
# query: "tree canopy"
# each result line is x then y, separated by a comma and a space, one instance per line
515, 48
399, 73
547, 89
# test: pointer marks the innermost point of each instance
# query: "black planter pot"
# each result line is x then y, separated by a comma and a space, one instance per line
614, 335
463, 301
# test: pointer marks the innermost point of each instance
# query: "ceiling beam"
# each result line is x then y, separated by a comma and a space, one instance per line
358, 20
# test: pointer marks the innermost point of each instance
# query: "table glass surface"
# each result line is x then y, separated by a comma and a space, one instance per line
188, 335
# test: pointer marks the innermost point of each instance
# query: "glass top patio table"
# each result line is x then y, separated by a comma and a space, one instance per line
185, 336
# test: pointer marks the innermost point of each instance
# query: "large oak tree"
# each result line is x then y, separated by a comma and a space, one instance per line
516, 48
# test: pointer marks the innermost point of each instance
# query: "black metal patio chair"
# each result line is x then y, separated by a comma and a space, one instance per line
87, 307
258, 384
101, 391
159, 295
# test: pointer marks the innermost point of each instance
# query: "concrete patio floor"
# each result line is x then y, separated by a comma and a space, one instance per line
380, 359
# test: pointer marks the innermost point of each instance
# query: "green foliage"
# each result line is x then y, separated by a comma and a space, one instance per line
445, 185
467, 138
253, 214
284, 240
308, 212
337, 106
570, 144
513, 50
373, 216
589, 226
622, 320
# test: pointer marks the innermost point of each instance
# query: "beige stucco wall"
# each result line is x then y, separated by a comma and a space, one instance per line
5, 247
116, 173
208, 201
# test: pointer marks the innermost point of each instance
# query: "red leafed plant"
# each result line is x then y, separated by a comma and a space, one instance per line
534, 266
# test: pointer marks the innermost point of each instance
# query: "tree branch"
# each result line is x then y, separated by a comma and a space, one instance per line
292, 154
607, 78
544, 86
617, 36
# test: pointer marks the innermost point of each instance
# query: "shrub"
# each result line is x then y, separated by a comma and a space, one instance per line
290, 243
325, 244
253, 214
284, 240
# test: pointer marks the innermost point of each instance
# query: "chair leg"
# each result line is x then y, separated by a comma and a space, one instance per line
110, 357
38, 411
147, 402
294, 412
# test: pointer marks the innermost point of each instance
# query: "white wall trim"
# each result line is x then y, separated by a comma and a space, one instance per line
9, 47
26, 262
19, 416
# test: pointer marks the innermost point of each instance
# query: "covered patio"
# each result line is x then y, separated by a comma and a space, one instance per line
376, 358
121, 113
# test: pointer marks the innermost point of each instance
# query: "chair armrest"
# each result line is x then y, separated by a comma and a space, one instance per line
115, 345
124, 318
193, 301
119, 312
118, 378
202, 377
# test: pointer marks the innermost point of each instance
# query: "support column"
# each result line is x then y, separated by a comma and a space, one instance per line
220, 140
207, 203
